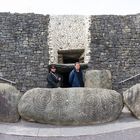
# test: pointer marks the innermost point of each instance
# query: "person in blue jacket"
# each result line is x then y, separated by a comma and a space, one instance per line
76, 76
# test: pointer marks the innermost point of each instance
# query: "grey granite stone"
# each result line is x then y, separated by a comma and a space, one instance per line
9, 98
131, 99
70, 106
98, 79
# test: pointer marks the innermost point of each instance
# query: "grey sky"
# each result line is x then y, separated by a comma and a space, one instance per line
82, 7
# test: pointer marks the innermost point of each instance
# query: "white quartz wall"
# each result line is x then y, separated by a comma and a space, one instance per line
68, 32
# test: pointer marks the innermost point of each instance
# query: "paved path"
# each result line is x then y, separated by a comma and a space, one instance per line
125, 128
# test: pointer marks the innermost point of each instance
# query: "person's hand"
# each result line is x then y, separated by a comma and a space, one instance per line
59, 78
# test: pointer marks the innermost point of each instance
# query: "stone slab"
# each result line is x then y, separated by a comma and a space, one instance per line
9, 98
132, 100
98, 79
70, 106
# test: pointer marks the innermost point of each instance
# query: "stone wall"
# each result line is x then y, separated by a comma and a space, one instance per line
68, 32
29, 42
24, 49
115, 45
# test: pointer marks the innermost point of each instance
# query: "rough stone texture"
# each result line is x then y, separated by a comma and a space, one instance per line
28, 42
115, 45
70, 106
68, 32
129, 82
98, 79
24, 49
9, 98
132, 100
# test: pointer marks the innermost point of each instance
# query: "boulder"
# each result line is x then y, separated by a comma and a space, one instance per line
9, 98
98, 79
70, 106
132, 100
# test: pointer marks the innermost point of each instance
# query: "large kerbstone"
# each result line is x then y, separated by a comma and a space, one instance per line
132, 100
9, 98
70, 106
98, 79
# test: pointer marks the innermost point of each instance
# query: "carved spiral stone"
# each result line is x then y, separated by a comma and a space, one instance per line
70, 106
40, 102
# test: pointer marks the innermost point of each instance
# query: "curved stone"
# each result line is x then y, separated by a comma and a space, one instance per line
132, 100
70, 106
9, 98
98, 79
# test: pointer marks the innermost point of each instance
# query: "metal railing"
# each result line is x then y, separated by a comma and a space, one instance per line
130, 78
6, 80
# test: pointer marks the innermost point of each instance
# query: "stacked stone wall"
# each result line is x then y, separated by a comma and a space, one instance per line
29, 42
24, 49
115, 45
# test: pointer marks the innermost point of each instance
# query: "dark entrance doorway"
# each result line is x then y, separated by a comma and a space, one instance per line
65, 79
69, 57
66, 62
64, 69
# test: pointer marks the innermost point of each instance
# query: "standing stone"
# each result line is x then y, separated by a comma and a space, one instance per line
98, 79
132, 100
9, 97
70, 106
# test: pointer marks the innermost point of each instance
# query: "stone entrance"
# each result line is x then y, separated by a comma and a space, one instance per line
68, 41
71, 56
66, 61
68, 33
64, 70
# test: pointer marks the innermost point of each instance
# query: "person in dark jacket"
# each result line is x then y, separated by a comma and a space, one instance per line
76, 76
53, 79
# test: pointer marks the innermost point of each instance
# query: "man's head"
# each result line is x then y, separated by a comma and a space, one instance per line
53, 68
77, 66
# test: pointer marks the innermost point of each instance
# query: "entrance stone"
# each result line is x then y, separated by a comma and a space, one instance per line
9, 97
70, 106
98, 79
